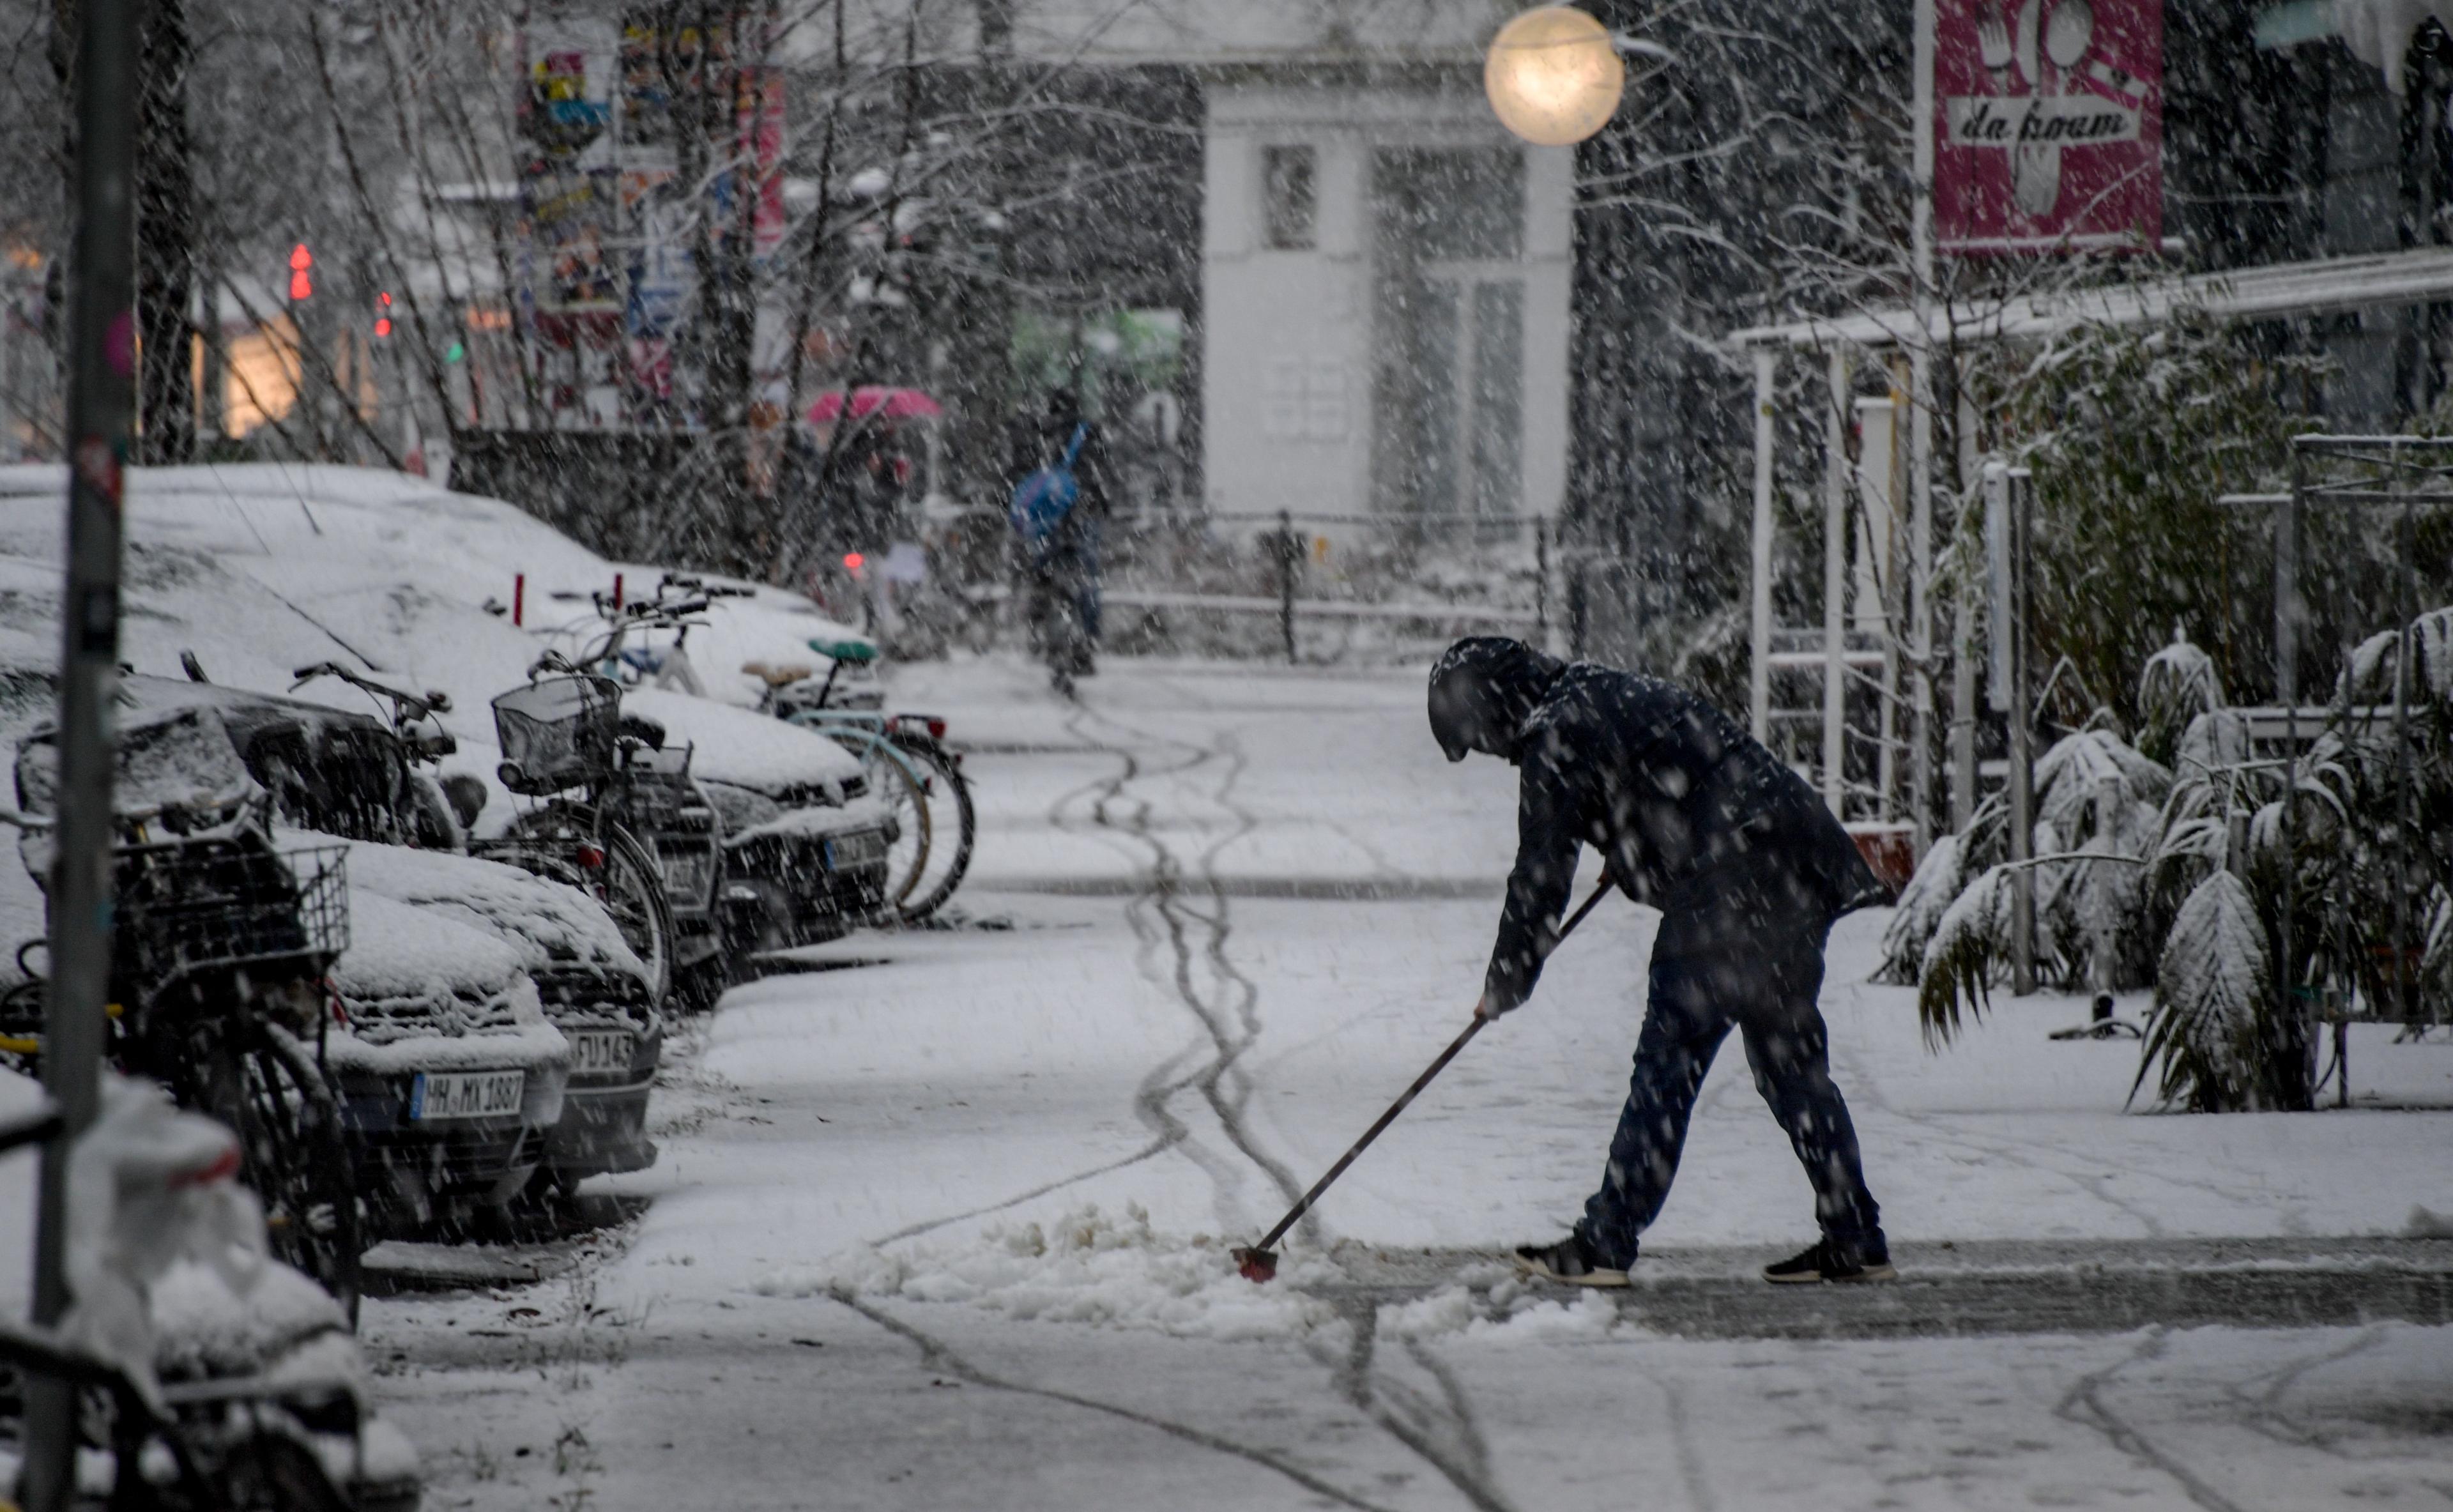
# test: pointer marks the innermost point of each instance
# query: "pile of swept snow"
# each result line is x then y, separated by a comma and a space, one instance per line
1512, 1309
1086, 1267
1115, 1271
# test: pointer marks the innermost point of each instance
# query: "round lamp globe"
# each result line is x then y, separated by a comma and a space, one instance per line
1553, 76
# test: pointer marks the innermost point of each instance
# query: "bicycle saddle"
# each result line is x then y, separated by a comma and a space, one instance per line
844, 650
784, 676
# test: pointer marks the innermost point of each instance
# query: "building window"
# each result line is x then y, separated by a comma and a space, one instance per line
1288, 199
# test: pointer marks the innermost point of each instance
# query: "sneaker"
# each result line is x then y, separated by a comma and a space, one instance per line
1568, 1263
1823, 1263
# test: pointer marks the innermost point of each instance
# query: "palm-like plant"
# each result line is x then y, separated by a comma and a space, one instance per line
2187, 871
2096, 805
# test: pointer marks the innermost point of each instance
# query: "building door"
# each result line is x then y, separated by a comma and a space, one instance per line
1448, 371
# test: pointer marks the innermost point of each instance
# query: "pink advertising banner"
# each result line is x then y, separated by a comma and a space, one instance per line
2048, 125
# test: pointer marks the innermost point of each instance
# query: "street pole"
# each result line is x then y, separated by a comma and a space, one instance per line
1835, 591
1920, 435
2017, 595
1759, 641
2290, 614
1286, 582
101, 398
1962, 634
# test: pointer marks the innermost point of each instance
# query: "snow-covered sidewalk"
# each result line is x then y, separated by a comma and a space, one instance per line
944, 1224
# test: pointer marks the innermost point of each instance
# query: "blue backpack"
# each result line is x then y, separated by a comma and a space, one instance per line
1041, 501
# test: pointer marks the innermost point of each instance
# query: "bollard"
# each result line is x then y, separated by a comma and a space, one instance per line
1287, 581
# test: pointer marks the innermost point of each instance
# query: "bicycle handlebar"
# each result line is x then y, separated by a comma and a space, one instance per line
701, 586
420, 706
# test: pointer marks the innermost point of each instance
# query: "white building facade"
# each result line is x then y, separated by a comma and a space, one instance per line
1385, 304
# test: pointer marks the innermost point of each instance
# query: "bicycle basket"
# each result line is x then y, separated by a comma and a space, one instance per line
557, 734
223, 903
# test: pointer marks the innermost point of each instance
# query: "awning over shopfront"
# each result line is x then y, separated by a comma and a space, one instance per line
2276, 291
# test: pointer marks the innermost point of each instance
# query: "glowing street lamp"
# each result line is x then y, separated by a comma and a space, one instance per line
1553, 76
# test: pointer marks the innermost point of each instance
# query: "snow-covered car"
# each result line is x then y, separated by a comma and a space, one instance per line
805, 845
450, 1077
337, 774
588, 984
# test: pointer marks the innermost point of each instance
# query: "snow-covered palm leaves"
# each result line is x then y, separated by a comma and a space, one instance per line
2178, 683
1968, 952
2095, 806
2366, 824
2214, 990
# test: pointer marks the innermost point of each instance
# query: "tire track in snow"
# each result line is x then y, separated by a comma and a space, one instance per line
1151, 1099
2263, 1413
937, 1356
1229, 1013
1682, 1445
1872, 1088
2085, 1406
1444, 1434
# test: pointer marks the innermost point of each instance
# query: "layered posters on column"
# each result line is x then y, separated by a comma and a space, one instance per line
614, 117
571, 256
2049, 125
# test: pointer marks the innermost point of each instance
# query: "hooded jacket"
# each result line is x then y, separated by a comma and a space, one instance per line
1693, 816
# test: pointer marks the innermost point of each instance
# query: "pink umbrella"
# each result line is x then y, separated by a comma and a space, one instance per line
899, 403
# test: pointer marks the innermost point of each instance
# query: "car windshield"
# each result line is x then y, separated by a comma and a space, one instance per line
170, 758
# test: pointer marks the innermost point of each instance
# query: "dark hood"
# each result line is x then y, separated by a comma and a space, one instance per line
1484, 690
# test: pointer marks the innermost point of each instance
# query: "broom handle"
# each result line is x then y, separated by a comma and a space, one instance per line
1411, 1093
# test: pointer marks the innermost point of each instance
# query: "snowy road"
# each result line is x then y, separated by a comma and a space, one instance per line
943, 1224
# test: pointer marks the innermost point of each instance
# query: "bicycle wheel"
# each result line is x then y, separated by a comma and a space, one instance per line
554, 843
292, 1152
952, 825
894, 780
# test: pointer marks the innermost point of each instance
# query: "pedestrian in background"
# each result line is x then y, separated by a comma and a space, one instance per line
1061, 492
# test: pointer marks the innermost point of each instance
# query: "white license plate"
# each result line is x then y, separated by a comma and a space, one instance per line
599, 1049
464, 1094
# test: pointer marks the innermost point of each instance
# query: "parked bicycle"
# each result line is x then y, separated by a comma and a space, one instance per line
913, 745
903, 761
221, 945
563, 745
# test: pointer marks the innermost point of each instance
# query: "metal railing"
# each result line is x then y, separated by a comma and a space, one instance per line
1288, 550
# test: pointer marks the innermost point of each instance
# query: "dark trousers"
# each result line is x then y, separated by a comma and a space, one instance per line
1764, 988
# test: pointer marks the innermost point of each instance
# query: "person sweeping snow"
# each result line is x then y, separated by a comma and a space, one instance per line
1748, 870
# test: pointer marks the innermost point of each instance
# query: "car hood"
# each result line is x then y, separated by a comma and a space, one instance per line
746, 749
549, 926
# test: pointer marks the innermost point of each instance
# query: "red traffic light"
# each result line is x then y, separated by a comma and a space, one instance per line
300, 260
854, 561
383, 314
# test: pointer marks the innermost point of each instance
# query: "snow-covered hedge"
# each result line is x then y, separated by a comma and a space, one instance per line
2178, 876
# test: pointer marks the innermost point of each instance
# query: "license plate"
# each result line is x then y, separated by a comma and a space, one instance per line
464, 1094
599, 1049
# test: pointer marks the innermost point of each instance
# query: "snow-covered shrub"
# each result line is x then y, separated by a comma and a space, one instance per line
1940, 878
2097, 802
1970, 948
2214, 1007
2178, 683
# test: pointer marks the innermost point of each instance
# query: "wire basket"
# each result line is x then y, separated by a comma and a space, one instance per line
203, 904
558, 733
